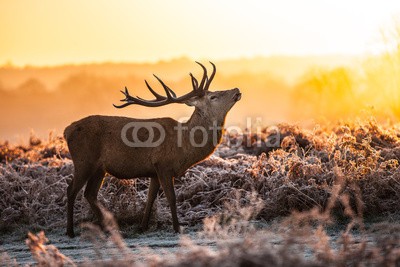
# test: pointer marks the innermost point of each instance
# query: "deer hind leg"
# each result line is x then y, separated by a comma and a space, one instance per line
91, 191
79, 180
167, 183
151, 196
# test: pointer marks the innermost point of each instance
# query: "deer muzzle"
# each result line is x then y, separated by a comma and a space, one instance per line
238, 95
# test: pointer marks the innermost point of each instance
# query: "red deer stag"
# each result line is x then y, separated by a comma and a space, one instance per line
160, 148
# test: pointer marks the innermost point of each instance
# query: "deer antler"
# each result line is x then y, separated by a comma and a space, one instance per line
160, 100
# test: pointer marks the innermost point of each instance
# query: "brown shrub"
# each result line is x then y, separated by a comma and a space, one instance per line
299, 176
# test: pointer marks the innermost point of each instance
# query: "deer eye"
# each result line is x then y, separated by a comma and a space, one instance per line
213, 97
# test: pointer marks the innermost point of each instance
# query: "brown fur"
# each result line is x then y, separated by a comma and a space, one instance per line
96, 147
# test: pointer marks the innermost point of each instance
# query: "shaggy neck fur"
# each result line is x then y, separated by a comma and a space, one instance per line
202, 132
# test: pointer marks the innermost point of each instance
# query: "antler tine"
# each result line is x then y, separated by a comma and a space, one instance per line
128, 97
123, 105
126, 94
211, 77
132, 100
195, 83
204, 75
170, 94
158, 96
160, 100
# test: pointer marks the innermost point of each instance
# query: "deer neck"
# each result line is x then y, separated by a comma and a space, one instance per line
201, 126
205, 121
202, 119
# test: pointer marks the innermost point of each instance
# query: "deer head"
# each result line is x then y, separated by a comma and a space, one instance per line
211, 105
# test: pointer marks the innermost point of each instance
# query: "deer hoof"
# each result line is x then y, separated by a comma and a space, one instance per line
70, 234
177, 229
143, 229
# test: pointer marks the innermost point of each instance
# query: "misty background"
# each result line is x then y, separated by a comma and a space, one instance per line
301, 90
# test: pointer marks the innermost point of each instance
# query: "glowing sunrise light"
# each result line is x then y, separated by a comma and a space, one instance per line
55, 32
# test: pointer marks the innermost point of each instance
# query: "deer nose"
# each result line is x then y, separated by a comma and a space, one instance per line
238, 95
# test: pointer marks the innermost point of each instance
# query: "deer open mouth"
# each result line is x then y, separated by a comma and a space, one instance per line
237, 96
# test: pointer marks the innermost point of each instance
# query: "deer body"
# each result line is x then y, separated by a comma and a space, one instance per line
97, 146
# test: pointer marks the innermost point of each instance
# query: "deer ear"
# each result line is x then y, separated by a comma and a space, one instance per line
194, 101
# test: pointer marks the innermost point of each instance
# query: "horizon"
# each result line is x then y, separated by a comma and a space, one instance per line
11, 64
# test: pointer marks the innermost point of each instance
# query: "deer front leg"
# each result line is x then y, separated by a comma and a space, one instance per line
151, 196
167, 184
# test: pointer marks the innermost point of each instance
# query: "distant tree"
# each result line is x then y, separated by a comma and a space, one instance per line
32, 87
88, 92
383, 72
3, 92
325, 93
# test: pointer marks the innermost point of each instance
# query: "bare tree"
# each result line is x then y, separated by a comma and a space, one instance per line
160, 148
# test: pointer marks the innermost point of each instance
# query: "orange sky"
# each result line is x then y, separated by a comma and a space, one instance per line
56, 32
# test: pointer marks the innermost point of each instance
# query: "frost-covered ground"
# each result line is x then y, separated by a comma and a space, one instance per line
264, 245
302, 201
82, 249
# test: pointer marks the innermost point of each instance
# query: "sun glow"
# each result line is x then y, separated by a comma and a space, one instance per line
292, 60
57, 32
